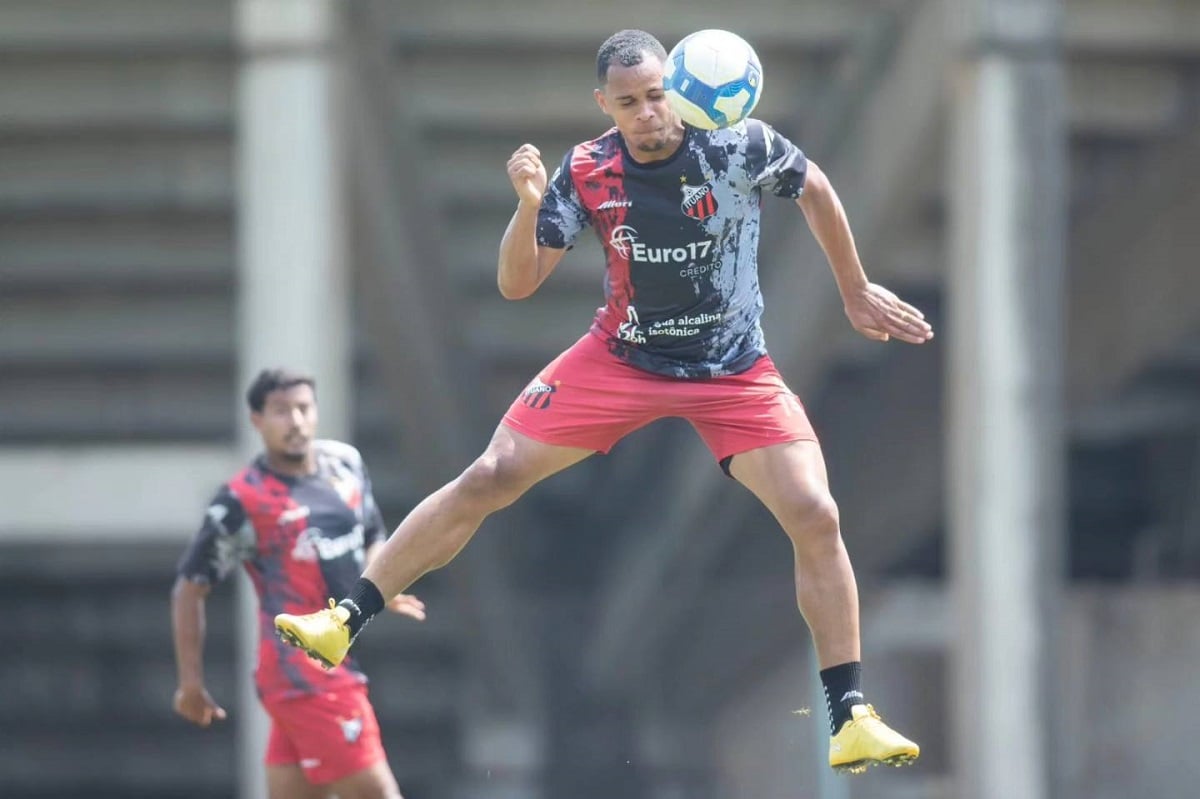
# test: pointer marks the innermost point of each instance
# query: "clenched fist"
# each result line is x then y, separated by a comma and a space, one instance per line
527, 174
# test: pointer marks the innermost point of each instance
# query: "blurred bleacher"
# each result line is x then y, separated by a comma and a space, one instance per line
118, 184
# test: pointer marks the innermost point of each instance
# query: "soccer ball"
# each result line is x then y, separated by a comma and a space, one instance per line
712, 79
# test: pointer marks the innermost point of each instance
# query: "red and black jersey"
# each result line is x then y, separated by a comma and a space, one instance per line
680, 239
302, 540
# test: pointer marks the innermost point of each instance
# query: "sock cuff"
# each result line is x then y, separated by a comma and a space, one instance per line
851, 668
366, 596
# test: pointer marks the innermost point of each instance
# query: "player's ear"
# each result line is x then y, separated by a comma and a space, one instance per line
601, 101
256, 419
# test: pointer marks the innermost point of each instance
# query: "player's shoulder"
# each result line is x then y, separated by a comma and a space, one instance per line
745, 137
244, 481
231, 497
752, 131
608, 141
590, 154
759, 139
339, 450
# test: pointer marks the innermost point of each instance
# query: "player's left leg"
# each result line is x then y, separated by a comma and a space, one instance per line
790, 479
759, 432
289, 782
373, 782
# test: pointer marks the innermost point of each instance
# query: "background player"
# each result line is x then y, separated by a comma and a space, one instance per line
303, 521
677, 212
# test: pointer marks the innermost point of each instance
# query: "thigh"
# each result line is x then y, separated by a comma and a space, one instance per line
745, 412
521, 460
784, 475
333, 735
373, 782
289, 782
585, 399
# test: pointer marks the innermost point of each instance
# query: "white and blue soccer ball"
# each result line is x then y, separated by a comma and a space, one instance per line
713, 79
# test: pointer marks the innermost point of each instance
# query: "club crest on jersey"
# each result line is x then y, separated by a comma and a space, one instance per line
698, 201
537, 394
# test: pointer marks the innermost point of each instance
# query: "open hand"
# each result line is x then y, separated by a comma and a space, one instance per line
880, 315
407, 605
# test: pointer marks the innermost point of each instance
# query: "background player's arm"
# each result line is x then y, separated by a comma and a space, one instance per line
187, 623
225, 537
524, 265
873, 310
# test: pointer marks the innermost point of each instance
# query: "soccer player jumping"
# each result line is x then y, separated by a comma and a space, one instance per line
676, 210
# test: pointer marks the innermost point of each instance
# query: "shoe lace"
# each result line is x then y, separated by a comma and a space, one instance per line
333, 614
872, 718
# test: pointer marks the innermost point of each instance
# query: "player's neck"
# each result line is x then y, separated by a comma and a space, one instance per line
290, 467
670, 147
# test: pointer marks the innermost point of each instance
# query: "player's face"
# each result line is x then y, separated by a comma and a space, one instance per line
634, 98
288, 422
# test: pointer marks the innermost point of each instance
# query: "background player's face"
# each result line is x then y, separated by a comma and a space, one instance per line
288, 422
634, 98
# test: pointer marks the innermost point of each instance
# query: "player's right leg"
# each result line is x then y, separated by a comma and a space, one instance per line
440, 526
285, 776
433, 533
582, 402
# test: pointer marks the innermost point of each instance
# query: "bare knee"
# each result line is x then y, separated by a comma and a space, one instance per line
811, 519
492, 482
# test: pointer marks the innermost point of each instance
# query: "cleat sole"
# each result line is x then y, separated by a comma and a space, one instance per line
291, 640
861, 766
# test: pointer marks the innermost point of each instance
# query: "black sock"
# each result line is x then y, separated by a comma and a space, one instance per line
364, 603
842, 691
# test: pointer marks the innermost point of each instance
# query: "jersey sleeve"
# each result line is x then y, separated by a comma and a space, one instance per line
374, 530
561, 216
773, 163
224, 540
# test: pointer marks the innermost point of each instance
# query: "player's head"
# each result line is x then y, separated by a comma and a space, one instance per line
283, 408
629, 67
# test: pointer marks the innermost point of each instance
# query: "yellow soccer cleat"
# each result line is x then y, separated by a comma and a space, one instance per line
323, 635
866, 741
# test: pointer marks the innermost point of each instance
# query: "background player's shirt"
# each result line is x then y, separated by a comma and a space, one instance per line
680, 240
302, 540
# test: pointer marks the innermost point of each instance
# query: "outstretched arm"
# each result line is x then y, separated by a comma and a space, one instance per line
873, 310
523, 264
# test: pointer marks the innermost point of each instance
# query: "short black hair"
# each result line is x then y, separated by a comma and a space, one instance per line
627, 48
269, 380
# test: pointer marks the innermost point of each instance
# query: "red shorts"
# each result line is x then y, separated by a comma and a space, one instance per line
330, 736
590, 399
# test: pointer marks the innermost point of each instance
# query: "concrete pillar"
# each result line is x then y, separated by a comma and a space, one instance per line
293, 306
1004, 385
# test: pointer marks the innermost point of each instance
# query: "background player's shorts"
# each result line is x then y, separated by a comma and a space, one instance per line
330, 736
588, 398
